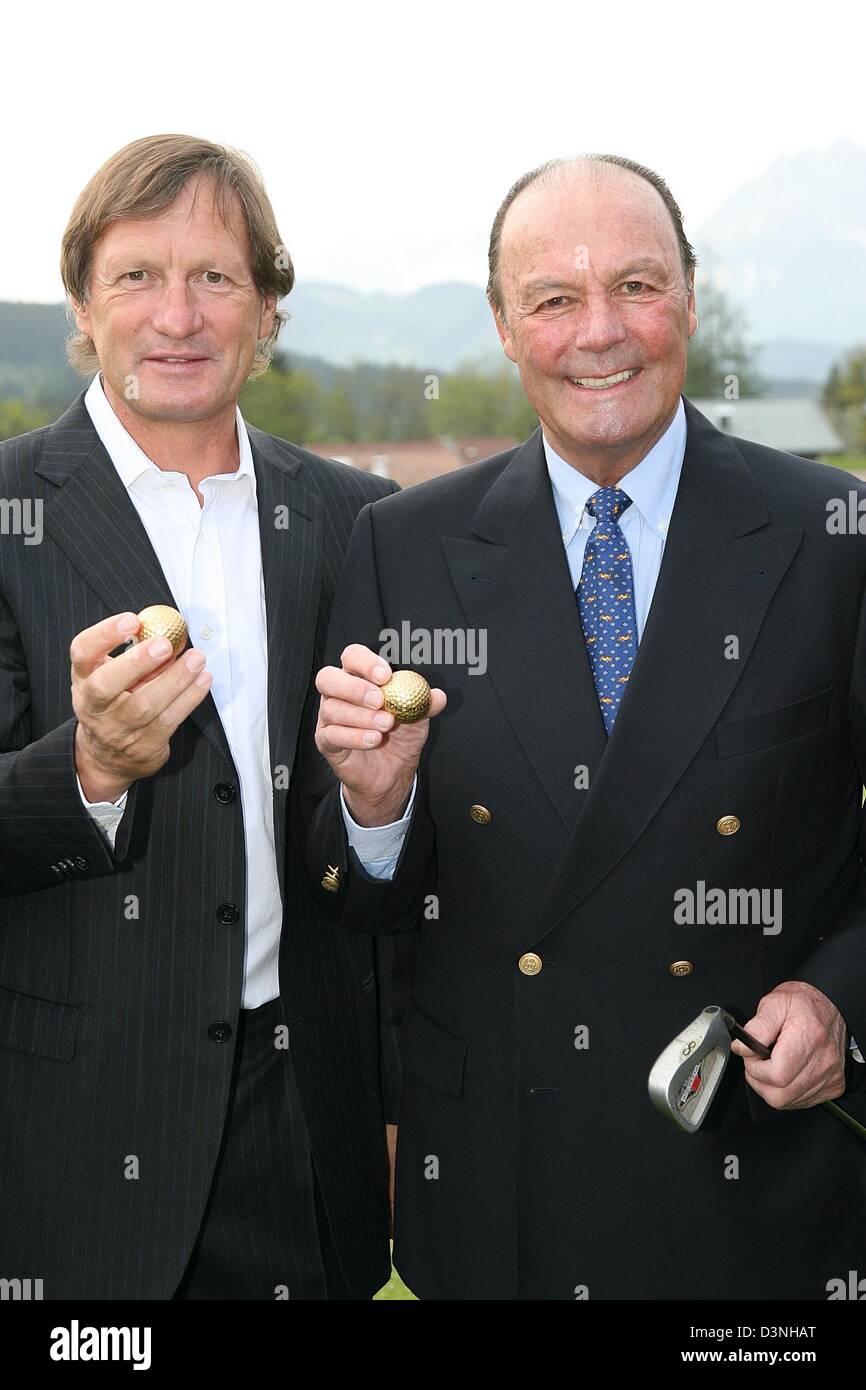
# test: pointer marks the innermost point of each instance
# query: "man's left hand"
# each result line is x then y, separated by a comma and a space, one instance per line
807, 1033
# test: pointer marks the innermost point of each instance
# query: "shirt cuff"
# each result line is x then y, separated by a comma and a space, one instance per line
107, 814
378, 846
855, 1051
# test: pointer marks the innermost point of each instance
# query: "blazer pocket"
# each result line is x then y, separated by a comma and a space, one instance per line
431, 1052
39, 1026
758, 731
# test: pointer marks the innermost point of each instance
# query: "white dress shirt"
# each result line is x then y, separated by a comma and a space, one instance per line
211, 557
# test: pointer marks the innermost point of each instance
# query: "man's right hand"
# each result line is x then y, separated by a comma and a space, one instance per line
374, 757
128, 706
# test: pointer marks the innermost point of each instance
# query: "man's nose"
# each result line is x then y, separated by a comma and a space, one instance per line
177, 313
599, 325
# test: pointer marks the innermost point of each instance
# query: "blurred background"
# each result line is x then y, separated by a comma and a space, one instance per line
387, 137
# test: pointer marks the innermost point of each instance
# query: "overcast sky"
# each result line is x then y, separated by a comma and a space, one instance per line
388, 133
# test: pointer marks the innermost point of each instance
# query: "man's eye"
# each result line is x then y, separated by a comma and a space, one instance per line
555, 303
635, 286
214, 277
134, 276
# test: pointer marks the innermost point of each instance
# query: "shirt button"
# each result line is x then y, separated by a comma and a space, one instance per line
224, 792
206, 633
219, 1032
228, 914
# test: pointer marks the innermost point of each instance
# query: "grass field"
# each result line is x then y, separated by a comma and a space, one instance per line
853, 463
395, 1288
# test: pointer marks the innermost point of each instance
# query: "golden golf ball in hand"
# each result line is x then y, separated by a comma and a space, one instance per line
159, 620
406, 696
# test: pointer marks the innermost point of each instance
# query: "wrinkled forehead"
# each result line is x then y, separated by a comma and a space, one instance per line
201, 218
608, 217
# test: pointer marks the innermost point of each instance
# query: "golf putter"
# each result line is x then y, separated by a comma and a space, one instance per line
687, 1074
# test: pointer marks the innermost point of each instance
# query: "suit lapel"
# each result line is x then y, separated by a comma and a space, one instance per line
514, 581
722, 563
92, 519
290, 526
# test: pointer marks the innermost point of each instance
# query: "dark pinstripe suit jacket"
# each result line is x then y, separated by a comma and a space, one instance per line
114, 966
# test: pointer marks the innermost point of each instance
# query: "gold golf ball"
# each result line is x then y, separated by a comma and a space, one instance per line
406, 696
159, 620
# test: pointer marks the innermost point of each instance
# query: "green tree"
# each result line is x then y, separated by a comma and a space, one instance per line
476, 400
17, 417
285, 402
844, 398
718, 350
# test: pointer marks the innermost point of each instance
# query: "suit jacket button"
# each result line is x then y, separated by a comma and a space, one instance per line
681, 967
224, 792
228, 914
530, 963
331, 879
219, 1032
480, 815
728, 825
81, 863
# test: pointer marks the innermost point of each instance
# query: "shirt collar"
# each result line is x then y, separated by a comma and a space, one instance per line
651, 484
129, 458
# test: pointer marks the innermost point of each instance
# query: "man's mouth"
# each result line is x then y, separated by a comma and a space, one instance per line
177, 360
604, 383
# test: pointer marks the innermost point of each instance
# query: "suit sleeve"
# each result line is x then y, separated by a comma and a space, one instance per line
46, 834
354, 899
837, 965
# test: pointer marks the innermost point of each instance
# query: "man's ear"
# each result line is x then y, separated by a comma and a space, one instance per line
82, 317
693, 317
504, 334
266, 318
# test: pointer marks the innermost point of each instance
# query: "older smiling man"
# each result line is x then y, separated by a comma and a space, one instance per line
675, 694
173, 1125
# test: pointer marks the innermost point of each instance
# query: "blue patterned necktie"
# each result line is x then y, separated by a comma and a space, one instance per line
605, 598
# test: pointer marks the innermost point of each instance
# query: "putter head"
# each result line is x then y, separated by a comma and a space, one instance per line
686, 1075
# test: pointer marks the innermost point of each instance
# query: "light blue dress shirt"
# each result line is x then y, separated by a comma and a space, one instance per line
652, 486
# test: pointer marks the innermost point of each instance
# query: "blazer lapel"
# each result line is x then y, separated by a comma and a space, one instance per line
722, 563
290, 526
515, 582
92, 519
96, 525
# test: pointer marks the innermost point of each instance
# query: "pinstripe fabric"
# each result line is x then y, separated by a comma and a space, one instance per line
113, 1093
260, 1233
